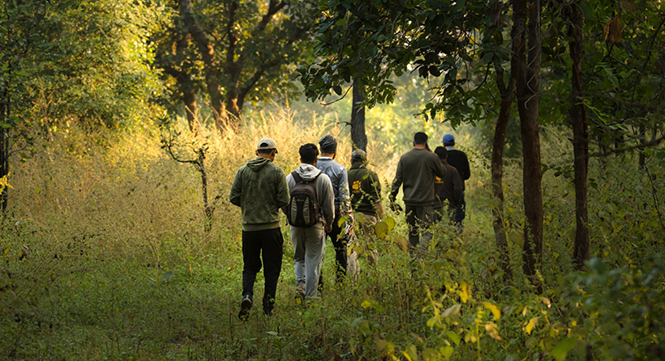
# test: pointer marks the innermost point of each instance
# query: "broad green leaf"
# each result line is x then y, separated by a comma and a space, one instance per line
562, 348
587, 9
401, 241
391, 222
446, 352
360, 217
451, 311
456, 338
381, 229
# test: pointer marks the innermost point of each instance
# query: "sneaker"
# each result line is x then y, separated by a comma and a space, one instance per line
245, 306
300, 295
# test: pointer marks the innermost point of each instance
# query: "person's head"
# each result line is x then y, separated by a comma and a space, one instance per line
308, 153
328, 144
420, 139
266, 149
358, 156
448, 139
441, 152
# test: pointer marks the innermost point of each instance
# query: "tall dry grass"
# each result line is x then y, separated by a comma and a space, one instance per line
121, 194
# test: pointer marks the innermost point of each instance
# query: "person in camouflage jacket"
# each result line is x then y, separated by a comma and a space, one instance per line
260, 190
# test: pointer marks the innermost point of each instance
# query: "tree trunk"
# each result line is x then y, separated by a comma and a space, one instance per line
207, 209
499, 143
192, 110
209, 59
643, 140
358, 135
4, 146
578, 116
498, 147
528, 88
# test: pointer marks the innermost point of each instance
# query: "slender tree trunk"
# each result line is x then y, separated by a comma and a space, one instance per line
498, 147
207, 51
578, 115
4, 146
499, 143
643, 140
528, 88
358, 135
207, 209
192, 110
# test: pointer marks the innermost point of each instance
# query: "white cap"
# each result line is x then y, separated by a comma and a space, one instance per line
266, 144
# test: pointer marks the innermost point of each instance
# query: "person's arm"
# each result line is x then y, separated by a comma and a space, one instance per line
397, 182
466, 170
327, 201
236, 189
458, 188
438, 168
282, 190
344, 193
289, 185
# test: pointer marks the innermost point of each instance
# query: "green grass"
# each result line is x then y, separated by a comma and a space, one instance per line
103, 256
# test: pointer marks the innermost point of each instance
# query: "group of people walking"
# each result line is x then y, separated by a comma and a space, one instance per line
319, 199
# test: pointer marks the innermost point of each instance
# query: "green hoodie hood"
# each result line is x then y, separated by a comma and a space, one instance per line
258, 163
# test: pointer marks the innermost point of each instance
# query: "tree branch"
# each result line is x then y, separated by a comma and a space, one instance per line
649, 144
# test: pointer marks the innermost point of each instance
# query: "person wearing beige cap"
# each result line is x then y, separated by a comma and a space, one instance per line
260, 190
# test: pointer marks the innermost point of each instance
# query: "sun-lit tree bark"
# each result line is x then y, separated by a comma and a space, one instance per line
235, 60
358, 135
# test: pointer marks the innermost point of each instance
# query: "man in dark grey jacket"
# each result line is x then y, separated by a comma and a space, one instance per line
340, 183
260, 190
416, 172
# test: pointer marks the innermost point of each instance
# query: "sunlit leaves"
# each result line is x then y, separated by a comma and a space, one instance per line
383, 227
493, 331
464, 291
451, 311
492, 308
531, 325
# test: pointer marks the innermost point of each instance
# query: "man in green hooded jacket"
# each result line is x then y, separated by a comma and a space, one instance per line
260, 190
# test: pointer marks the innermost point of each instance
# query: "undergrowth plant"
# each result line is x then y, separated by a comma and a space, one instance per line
104, 255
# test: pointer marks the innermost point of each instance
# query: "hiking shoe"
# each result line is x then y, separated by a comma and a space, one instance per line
300, 295
245, 306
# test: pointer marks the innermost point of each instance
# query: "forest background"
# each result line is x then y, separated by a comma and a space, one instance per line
123, 120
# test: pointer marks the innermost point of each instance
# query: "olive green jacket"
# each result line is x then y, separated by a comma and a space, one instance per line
260, 190
416, 172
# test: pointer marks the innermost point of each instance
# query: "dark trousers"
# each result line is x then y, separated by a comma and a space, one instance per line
341, 253
266, 244
340, 246
460, 212
419, 219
